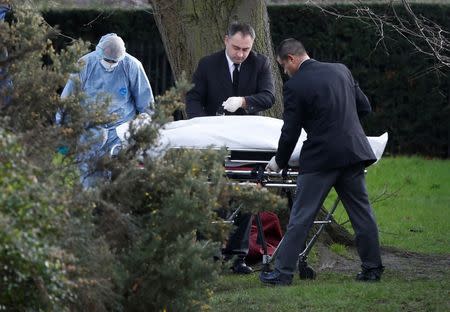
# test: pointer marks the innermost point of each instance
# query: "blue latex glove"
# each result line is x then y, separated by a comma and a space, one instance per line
63, 150
3, 10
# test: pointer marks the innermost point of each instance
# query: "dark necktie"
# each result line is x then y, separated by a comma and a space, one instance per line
235, 79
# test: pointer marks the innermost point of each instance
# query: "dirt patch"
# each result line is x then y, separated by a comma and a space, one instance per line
409, 264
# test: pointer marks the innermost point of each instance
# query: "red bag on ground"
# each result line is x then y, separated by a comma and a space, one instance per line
272, 235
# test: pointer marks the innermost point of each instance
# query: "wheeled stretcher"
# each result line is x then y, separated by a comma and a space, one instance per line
251, 141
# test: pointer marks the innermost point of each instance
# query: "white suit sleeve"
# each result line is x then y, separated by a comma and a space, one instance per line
141, 90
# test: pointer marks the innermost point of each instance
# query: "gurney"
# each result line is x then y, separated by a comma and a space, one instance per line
244, 136
250, 142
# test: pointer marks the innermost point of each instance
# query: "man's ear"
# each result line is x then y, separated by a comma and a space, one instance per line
225, 39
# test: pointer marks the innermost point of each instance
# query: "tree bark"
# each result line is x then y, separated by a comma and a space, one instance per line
192, 29
334, 232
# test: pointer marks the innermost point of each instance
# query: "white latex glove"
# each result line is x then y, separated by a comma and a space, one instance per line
273, 166
124, 130
233, 103
142, 120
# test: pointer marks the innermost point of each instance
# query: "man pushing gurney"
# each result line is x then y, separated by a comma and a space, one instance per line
324, 99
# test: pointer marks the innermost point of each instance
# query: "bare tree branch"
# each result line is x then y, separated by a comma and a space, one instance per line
424, 35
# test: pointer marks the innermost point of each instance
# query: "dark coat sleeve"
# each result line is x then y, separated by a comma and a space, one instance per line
264, 96
362, 102
196, 97
290, 132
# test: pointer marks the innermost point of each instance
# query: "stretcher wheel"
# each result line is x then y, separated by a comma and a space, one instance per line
305, 271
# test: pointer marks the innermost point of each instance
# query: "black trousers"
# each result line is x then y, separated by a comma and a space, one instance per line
238, 240
312, 189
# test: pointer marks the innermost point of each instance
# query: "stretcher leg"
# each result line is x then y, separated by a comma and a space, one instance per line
305, 271
304, 254
266, 264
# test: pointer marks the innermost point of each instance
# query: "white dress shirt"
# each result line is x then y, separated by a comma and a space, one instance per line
231, 65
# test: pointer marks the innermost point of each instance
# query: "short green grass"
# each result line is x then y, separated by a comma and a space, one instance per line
411, 200
339, 249
333, 292
413, 215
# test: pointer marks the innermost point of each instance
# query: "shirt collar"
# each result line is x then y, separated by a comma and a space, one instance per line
230, 63
303, 62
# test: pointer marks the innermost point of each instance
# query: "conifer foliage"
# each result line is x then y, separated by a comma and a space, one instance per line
142, 241
39, 206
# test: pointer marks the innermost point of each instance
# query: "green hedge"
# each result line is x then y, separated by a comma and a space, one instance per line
409, 101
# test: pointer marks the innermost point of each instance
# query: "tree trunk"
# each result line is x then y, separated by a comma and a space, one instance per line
192, 29
334, 232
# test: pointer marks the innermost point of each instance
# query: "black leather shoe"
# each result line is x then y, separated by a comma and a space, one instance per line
275, 278
239, 267
370, 275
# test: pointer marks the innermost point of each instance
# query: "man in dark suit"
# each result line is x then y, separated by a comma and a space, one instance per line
324, 99
234, 81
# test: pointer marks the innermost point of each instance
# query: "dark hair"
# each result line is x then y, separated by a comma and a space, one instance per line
290, 46
243, 28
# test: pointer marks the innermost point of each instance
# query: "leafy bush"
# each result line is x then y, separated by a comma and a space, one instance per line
32, 267
143, 241
42, 265
165, 223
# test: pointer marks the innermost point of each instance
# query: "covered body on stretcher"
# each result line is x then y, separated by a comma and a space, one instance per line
250, 140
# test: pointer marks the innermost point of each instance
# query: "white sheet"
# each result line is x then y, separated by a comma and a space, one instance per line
238, 132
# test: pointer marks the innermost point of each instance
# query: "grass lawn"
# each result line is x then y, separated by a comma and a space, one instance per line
411, 199
333, 292
413, 205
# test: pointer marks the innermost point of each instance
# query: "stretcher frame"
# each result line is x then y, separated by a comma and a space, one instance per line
238, 169
251, 141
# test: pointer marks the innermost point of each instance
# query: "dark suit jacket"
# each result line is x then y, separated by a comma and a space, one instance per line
213, 85
324, 99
